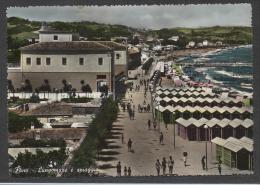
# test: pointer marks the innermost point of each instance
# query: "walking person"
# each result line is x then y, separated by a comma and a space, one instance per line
170, 165
154, 125
133, 114
149, 124
148, 107
161, 138
158, 167
203, 162
125, 171
129, 171
139, 108
122, 138
164, 165
130, 113
185, 158
129, 145
118, 169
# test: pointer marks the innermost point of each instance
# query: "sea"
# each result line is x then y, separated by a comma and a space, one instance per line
239, 78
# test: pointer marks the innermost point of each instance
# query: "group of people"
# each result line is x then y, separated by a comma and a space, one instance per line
130, 109
127, 171
149, 124
143, 107
163, 165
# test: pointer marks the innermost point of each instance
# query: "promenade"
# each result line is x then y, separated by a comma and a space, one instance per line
146, 147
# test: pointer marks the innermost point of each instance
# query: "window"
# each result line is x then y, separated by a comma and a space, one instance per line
28, 61
55, 37
64, 61
48, 61
81, 61
118, 56
100, 61
101, 76
38, 61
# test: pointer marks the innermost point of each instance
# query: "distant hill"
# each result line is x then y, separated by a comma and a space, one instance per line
19, 30
226, 34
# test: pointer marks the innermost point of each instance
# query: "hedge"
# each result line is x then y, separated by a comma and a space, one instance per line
100, 127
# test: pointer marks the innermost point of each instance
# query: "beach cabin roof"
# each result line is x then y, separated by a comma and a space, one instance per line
212, 122
223, 123
241, 143
235, 123
247, 123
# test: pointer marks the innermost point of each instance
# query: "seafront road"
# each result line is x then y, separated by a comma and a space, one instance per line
146, 147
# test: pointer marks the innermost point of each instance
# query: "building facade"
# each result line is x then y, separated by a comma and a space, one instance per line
60, 56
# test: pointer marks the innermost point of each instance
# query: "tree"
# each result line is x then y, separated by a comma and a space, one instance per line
45, 87
104, 90
85, 87
11, 87
19, 123
28, 86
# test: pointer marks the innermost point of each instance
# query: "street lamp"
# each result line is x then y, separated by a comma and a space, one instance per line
206, 141
22, 88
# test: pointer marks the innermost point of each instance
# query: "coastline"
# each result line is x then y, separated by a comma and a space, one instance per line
178, 54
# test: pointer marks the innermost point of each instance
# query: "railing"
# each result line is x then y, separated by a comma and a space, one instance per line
12, 65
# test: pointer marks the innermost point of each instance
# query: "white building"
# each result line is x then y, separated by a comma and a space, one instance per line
205, 43
191, 44
174, 38
61, 56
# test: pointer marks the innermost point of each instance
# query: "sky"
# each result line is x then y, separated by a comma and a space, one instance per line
152, 17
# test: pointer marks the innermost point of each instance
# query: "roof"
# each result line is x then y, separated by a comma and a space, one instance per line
214, 121
113, 45
54, 109
67, 46
235, 144
52, 133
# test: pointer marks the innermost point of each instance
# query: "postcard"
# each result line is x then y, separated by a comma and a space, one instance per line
114, 91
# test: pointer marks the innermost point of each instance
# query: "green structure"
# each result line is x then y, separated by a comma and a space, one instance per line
235, 153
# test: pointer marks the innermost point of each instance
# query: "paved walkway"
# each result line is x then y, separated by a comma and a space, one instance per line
146, 147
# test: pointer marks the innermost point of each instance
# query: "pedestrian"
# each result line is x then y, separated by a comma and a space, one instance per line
122, 138
133, 114
185, 158
134, 107
129, 145
161, 138
203, 162
149, 124
158, 167
154, 125
164, 165
170, 165
130, 113
125, 171
124, 107
148, 107
118, 169
129, 171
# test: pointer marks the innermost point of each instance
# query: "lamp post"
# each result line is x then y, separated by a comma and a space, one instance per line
174, 135
22, 89
206, 147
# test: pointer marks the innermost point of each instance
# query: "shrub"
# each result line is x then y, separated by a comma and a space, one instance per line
97, 131
43, 143
19, 123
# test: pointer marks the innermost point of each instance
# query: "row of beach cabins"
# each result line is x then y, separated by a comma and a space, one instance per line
201, 115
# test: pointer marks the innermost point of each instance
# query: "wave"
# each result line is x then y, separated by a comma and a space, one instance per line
234, 75
201, 69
